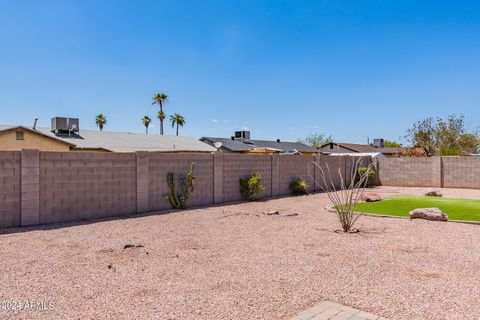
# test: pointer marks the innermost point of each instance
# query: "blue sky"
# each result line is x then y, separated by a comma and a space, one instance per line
284, 69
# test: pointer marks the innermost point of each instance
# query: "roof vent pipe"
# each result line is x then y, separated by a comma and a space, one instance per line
35, 123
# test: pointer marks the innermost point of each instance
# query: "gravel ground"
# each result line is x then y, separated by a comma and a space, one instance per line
233, 262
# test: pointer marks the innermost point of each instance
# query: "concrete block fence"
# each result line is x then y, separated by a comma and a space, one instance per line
47, 187
439, 172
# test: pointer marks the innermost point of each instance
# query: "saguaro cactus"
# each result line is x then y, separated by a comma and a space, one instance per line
178, 200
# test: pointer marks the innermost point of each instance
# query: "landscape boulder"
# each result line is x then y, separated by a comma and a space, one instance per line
434, 193
371, 197
434, 214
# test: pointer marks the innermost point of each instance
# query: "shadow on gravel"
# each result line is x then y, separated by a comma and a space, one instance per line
68, 224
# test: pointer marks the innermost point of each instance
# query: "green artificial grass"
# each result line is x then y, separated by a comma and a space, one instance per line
454, 208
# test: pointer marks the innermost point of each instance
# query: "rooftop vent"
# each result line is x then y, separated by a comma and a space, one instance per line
378, 143
35, 123
65, 125
242, 135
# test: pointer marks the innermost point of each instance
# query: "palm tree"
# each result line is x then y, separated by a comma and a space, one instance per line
160, 99
178, 120
146, 122
161, 116
101, 121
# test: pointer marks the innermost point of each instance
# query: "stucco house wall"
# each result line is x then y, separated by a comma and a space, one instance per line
9, 142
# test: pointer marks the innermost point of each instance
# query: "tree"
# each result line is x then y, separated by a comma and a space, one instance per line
178, 120
440, 137
146, 122
317, 139
160, 99
422, 135
391, 144
101, 121
453, 137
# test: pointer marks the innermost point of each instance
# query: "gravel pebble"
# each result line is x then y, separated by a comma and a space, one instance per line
233, 262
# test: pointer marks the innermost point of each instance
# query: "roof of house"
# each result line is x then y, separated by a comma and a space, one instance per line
360, 154
230, 144
237, 145
13, 128
123, 141
366, 148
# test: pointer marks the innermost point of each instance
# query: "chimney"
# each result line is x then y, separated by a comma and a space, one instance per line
35, 123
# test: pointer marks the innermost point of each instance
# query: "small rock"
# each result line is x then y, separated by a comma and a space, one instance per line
434, 214
434, 193
271, 213
371, 197
132, 246
291, 214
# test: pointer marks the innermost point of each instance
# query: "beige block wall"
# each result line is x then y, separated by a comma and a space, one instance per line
82, 186
10, 189
9, 142
295, 167
161, 163
461, 172
410, 172
69, 186
237, 166
333, 169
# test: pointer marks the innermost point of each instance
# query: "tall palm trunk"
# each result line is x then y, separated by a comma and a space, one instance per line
177, 128
161, 120
146, 130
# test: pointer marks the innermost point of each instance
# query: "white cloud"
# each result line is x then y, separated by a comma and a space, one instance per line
214, 120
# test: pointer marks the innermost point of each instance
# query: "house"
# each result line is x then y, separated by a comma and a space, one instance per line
375, 148
64, 135
241, 143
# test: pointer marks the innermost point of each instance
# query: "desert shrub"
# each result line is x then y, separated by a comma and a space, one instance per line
251, 188
369, 172
298, 186
178, 200
346, 196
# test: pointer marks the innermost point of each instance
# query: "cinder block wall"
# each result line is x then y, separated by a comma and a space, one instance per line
46, 187
352, 163
159, 166
10, 197
410, 172
86, 185
461, 172
335, 165
290, 168
238, 166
